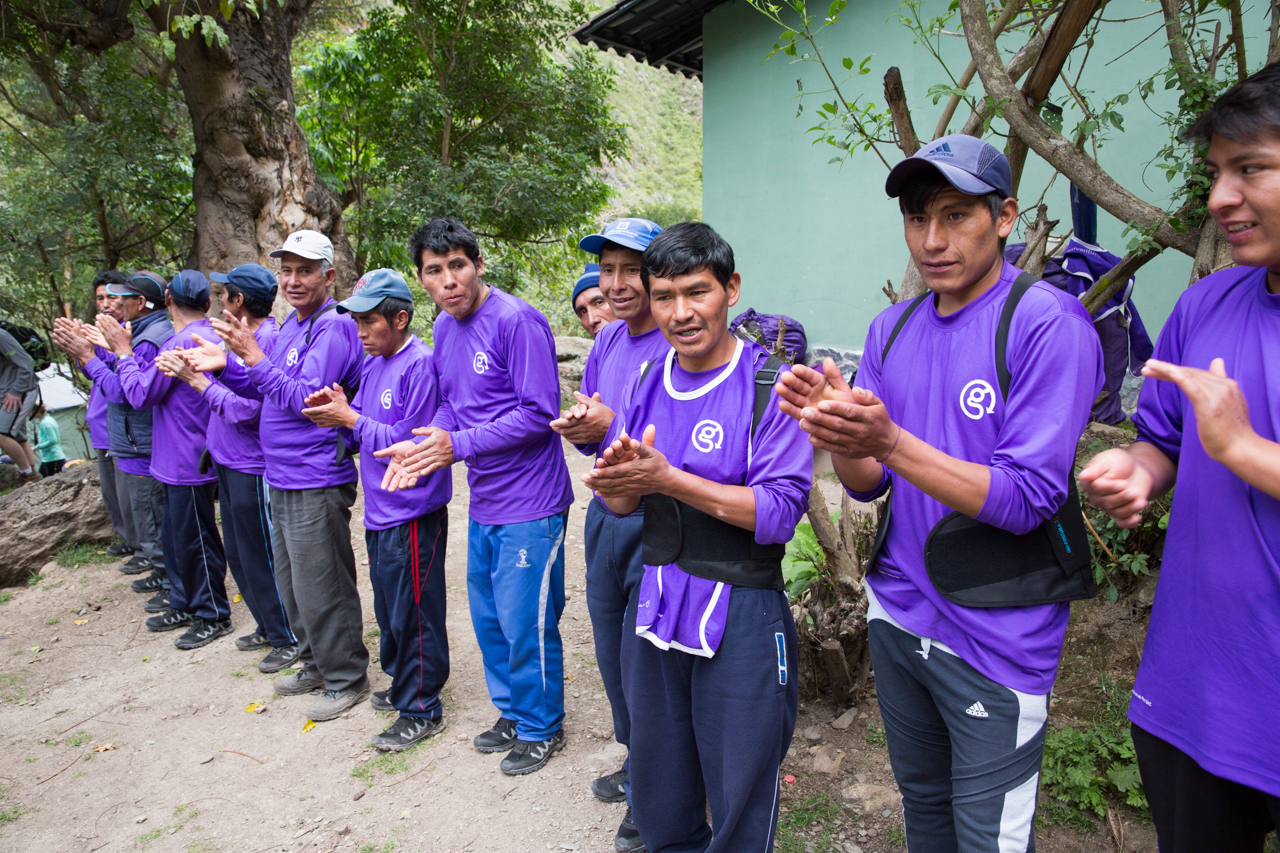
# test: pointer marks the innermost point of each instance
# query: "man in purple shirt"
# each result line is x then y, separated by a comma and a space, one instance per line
709, 647
963, 689
499, 390
614, 567
1206, 702
588, 301
193, 552
406, 532
235, 447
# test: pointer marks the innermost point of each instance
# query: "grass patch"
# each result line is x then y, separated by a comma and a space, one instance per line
372, 634
8, 816
6, 597
51, 622
388, 763
35, 579
389, 847
83, 554
80, 738
809, 823
875, 736
898, 836
11, 686
183, 815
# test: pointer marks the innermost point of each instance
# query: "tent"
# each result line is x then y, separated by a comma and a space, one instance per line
67, 404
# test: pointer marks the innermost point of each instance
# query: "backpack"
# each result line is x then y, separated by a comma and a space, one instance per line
32, 341
777, 333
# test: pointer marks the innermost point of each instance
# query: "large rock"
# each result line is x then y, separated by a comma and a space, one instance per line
8, 477
39, 519
571, 358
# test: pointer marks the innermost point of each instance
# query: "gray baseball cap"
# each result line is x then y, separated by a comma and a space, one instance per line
969, 164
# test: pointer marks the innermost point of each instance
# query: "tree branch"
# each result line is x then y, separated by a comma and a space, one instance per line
1020, 64
896, 97
1006, 15
1111, 282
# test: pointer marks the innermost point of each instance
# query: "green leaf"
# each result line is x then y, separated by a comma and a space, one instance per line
848, 63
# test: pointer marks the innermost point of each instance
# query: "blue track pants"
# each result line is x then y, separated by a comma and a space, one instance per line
246, 534
193, 555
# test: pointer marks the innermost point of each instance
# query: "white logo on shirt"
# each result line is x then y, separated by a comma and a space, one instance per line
292, 358
480, 362
977, 399
707, 436
386, 399
523, 564
976, 710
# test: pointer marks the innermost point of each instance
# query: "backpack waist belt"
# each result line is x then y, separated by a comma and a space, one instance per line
706, 547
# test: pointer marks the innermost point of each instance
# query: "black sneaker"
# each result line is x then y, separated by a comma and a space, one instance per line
381, 701
498, 738
526, 757
157, 603
151, 584
136, 565
202, 632
169, 620
610, 788
278, 659
119, 549
252, 642
628, 838
405, 732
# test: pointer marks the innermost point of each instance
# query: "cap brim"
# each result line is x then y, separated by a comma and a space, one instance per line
359, 304
220, 277
280, 253
122, 292
913, 166
595, 242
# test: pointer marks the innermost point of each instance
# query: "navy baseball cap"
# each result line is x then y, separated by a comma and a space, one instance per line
373, 287
145, 283
633, 233
970, 165
250, 279
586, 281
190, 287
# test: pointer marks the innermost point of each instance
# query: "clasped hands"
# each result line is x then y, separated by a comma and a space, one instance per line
585, 422
845, 421
329, 407
408, 461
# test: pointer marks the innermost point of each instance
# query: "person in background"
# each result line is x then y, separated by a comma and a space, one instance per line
406, 532
589, 303
19, 391
48, 442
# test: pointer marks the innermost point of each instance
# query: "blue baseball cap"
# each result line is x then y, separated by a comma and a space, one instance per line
250, 279
190, 287
145, 283
633, 233
586, 281
970, 165
373, 287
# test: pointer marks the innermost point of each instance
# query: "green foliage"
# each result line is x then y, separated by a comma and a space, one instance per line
82, 554
875, 736
5, 597
803, 561
812, 812
1086, 768
80, 738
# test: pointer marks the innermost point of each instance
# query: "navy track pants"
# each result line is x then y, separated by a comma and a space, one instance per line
406, 568
246, 534
193, 555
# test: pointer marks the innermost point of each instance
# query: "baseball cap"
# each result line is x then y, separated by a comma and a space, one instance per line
145, 283
630, 232
190, 287
250, 279
373, 287
586, 281
306, 244
969, 164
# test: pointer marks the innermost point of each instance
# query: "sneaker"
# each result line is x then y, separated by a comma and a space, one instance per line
151, 584
528, 757
381, 701
628, 838
169, 620
136, 565
334, 703
119, 549
203, 632
405, 732
278, 659
305, 680
157, 603
29, 477
498, 738
610, 788
252, 642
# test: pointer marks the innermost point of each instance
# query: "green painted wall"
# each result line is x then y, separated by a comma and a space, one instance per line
818, 241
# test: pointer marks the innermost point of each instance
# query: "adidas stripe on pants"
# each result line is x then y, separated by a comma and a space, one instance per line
965, 750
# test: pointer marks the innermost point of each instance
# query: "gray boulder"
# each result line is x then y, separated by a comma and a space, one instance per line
571, 358
41, 518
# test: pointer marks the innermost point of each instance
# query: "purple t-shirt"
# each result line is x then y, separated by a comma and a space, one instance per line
233, 427
499, 392
703, 424
1209, 681
940, 385
179, 418
396, 395
615, 358
299, 454
96, 416
102, 370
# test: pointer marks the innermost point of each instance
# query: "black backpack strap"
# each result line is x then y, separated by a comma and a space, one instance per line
902, 321
766, 376
1020, 287
312, 321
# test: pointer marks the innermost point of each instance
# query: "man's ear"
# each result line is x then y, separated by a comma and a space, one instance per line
480, 266
1008, 217
734, 288
402, 326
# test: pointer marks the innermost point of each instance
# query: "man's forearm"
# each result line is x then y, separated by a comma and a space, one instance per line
858, 475
1256, 461
961, 485
733, 504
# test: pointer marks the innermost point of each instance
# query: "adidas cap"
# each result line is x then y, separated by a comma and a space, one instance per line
969, 164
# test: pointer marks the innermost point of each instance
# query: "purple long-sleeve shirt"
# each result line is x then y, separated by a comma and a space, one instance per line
298, 454
95, 415
499, 392
179, 418
615, 357
396, 395
102, 370
1209, 681
940, 385
233, 426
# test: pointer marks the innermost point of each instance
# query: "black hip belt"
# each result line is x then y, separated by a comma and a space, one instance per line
706, 547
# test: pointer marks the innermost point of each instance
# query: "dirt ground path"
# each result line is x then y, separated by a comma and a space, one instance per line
113, 740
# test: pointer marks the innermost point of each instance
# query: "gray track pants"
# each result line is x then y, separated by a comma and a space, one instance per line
316, 575
146, 500
116, 496
965, 750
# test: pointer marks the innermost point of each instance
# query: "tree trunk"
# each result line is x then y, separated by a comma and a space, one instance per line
254, 180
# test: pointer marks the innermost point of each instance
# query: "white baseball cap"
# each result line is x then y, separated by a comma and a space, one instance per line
306, 244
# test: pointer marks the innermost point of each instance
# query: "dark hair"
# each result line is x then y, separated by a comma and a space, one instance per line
684, 248
106, 277
442, 236
609, 244
256, 306
391, 308
1248, 110
921, 189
